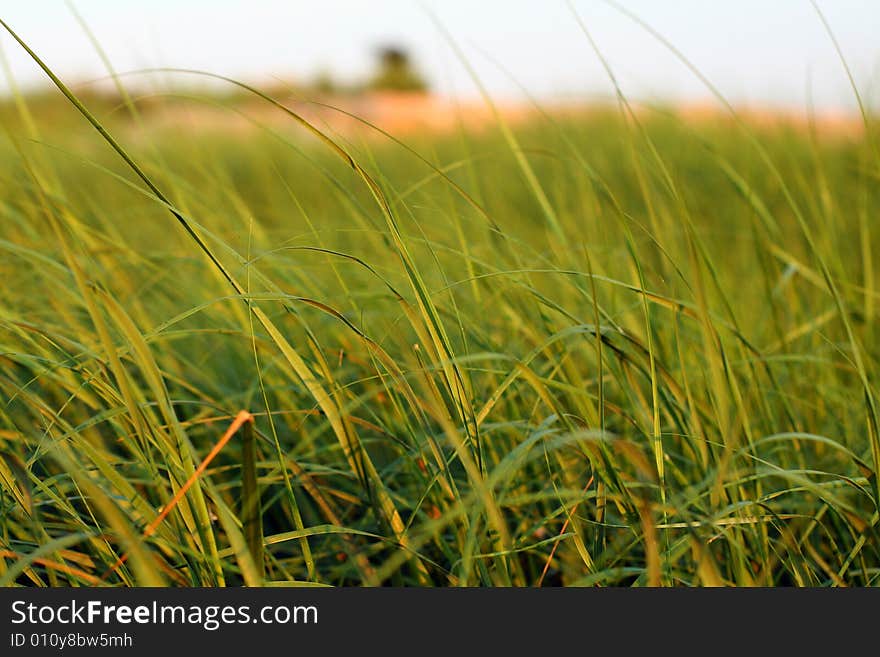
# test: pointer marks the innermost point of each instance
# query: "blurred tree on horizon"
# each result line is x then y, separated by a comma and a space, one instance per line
396, 72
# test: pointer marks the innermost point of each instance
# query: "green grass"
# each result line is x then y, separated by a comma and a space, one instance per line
609, 349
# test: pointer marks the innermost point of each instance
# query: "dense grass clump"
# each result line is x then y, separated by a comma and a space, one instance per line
606, 349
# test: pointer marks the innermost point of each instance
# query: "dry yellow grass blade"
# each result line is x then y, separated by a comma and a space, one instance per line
240, 419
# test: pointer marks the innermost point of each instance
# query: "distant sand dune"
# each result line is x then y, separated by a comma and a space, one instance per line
411, 114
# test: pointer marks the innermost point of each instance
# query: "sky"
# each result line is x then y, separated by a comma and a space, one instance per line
756, 52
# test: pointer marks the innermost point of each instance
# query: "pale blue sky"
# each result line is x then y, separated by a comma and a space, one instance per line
769, 51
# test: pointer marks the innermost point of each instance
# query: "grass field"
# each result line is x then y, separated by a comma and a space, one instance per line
611, 349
